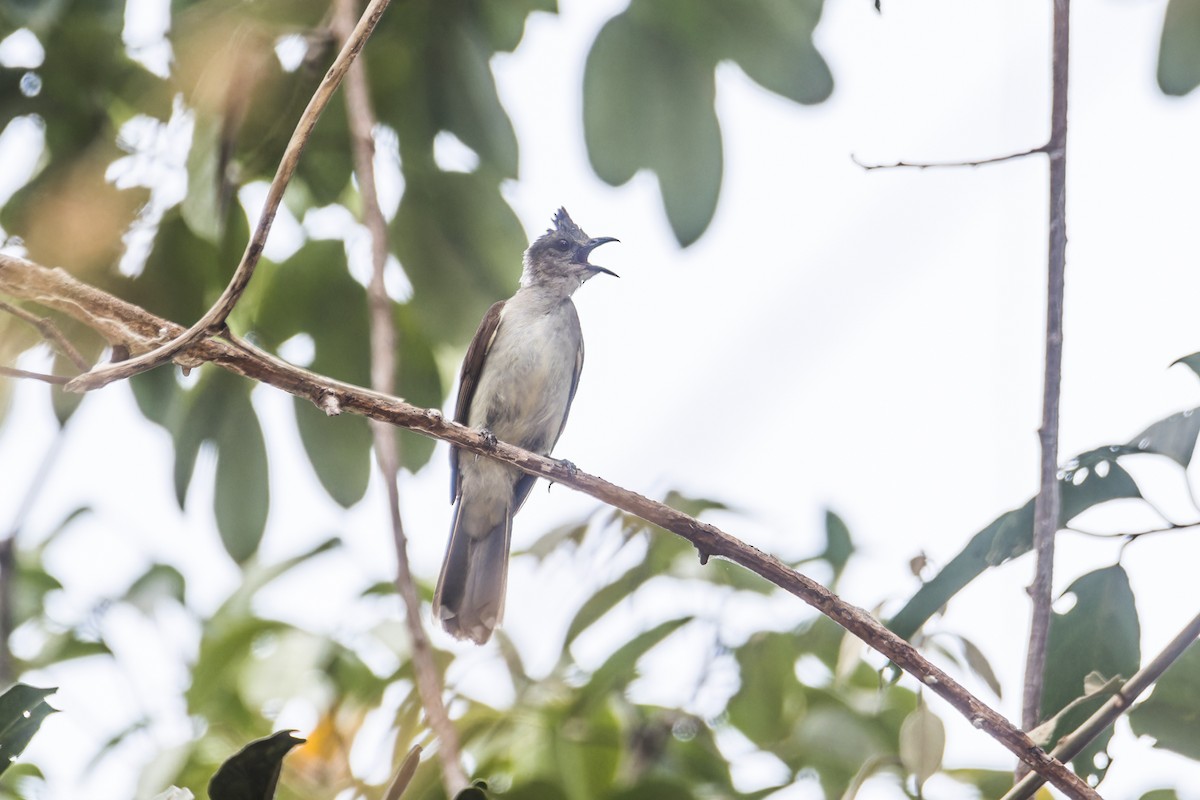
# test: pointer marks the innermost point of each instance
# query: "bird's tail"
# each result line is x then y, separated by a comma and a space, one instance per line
469, 600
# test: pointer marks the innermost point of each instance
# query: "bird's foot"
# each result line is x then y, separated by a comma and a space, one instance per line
571, 469
489, 438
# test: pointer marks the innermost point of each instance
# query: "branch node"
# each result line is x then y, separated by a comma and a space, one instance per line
330, 404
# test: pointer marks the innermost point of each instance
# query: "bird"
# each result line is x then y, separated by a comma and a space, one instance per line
517, 383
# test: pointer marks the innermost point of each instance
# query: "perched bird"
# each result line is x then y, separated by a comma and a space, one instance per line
518, 380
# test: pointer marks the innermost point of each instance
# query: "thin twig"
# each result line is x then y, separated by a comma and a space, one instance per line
1073, 743
383, 379
13, 372
213, 320
947, 164
1047, 507
1129, 537
50, 332
115, 318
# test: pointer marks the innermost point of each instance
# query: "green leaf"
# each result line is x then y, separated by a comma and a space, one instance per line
460, 246
648, 103
1160, 794
755, 33
1099, 634
979, 665
22, 709
160, 581
618, 671
1096, 689
770, 700
242, 493
418, 380
989, 782
654, 789
1169, 714
1178, 60
587, 750
1173, 437
1011, 534
339, 448
252, 772
838, 545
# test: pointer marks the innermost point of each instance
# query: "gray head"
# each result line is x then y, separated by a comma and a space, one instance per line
559, 257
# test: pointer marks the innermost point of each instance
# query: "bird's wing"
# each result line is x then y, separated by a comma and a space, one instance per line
472, 367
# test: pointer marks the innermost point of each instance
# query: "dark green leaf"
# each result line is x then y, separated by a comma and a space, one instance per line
22, 709
587, 750
1178, 59
1192, 361
1173, 437
838, 545
339, 449
252, 772
1099, 634
1160, 794
772, 41
648, 95
1011, 534
242, 494
1170, 714
460, 245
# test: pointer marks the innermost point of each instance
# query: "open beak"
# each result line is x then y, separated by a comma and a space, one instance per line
581, 255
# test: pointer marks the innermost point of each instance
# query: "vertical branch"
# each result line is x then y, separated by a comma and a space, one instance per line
383, 379
1049, 501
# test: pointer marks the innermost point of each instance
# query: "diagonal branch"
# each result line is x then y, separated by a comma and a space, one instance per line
213, 320
383, 379
123, 322
13, 372
1072, 744
944, 164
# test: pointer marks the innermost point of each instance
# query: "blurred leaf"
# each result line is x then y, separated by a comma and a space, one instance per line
771, 40
1160, 794
1099, 634
770, 701
404, 774
838, 545
979, 664
648, 96
618, 671
989, 782
1192, 361
300, 296
654, 789
64, 645
22, 709
160, 581
1170, 714
460, 246
252, 772
242, 492
419, 381
587, 750
1178, 60
605, 599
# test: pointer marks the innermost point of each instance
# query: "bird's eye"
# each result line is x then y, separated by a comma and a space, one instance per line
562, 245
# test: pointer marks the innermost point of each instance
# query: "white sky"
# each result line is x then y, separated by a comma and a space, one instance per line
869, 342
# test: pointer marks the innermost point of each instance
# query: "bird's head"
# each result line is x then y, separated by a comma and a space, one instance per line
559, 257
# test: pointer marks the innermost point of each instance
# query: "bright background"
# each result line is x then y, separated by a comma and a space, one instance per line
869, 342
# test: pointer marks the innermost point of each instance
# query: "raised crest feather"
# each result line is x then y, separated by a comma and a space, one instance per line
564, 224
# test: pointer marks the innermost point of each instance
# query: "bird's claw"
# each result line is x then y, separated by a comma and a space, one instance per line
489, 438
571, 469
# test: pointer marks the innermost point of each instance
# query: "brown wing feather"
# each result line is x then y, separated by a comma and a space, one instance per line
472, 366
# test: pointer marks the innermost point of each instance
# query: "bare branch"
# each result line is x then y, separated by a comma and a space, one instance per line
57, 289
945, 164
213, 320
383, 379
13, 372
51, 334
1049, 500
1072, 744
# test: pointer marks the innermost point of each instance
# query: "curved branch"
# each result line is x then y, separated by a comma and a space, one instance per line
110, 315
51, 334
213, 320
